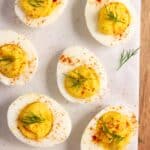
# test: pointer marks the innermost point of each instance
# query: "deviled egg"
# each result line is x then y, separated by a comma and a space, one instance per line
110, 21
38, 120
18, 58
111, 129
37, 13
80, 76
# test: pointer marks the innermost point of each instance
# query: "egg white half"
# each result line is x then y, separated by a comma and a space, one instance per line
80, 56
11, 37
61, 126
87, 142
91, 14
42, 21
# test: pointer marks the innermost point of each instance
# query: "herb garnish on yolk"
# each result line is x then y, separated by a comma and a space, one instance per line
38, 8
8, 59
32, 118
113, 131
77, 81
13, 60
36, 3
114, 137
113, 19
35, 121
82, 82
113, 16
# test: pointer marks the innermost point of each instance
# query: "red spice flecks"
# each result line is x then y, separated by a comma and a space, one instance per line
99, 1
68, 60
95, 139
83, 92
54, 1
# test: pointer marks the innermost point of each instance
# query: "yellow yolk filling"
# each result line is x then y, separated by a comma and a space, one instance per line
13, 60
114, 19
82, 82
113, 131
35, 121
38, 8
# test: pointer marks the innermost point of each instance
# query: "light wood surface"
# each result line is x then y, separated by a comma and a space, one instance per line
144, 138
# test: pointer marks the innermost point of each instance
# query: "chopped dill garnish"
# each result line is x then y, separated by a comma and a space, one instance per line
113, 16
114, 137
8, 59
36, 3
77, 81
32, 118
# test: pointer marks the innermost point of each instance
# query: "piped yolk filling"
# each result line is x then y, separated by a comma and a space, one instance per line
38, 8
35, 121
114, 18
13, 60
82, 82
113, 131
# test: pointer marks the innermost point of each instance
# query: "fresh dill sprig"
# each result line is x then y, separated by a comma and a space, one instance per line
77, 81
125, 56
115, 137
113, 16
36, 3
32, 118
8, 59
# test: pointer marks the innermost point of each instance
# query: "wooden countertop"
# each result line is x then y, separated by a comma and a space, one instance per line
144, 138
